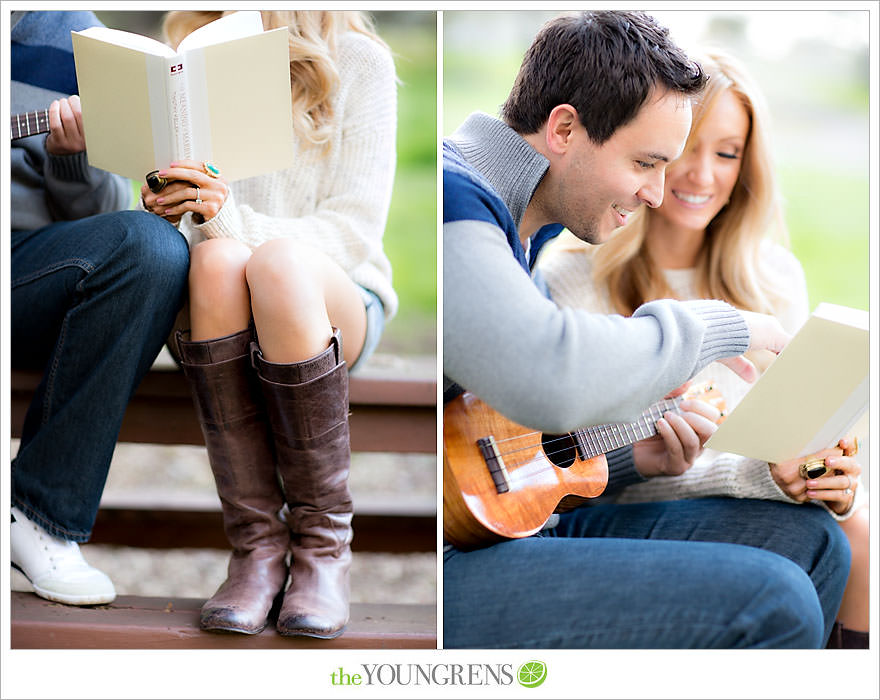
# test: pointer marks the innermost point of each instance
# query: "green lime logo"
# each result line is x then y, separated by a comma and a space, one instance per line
531, 674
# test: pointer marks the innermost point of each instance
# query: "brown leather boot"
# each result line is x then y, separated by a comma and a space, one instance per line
233, 418
307, 403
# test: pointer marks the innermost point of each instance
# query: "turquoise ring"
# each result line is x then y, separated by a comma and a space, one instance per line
211, 169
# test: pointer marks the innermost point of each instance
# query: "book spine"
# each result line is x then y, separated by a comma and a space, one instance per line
199, 104
179, 119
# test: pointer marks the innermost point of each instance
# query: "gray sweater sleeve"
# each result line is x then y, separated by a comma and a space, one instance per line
75, 190
559, 369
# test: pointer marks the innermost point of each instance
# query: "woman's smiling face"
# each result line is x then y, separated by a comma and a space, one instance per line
700, 182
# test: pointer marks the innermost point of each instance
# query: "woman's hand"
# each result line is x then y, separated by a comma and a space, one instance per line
190, 188
836, 487
66, 135
679, 441
151, 199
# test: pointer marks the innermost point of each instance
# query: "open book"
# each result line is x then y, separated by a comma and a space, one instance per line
811, 394
223, 96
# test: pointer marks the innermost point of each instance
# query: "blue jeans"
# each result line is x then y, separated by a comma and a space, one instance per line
701, 573
375, 326
92, 303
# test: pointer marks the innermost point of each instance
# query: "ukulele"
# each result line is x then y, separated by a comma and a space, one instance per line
502, 480
29, 124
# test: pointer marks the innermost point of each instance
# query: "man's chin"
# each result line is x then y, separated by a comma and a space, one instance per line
591, 236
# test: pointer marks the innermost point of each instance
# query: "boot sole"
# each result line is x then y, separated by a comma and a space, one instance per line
314, 635
231, 630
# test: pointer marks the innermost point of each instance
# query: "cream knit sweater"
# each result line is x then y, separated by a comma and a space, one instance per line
335, 200
568, 271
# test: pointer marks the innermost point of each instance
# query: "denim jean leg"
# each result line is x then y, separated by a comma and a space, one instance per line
804, 534
92, 303
607, 593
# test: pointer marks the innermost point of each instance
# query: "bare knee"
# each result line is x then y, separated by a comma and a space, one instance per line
218, 293
217, 259
287, 288
286, 269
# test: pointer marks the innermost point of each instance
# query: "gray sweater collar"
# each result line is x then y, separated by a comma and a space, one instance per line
503, 157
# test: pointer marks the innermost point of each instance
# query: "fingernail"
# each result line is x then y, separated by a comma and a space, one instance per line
163, 173
811, 484
160, 201
811, 494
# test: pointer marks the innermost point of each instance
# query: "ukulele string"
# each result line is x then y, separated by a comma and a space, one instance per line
569, 441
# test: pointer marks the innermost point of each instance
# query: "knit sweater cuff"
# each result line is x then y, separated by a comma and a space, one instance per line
727, 334
622, 470
70, 168
754, 480
226, 223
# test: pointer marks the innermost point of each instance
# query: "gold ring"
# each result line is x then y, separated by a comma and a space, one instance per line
813, 469
211, 169
154, 182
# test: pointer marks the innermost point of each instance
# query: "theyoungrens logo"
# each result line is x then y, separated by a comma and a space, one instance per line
531, 674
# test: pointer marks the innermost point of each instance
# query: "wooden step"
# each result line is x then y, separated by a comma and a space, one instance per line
400, 531
393, 406
135, 622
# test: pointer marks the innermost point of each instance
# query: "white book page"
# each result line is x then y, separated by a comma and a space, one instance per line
234, 26
128, 40
116, 89
811, 393
247, 93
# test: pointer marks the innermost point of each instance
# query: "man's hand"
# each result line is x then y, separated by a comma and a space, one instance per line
765, 333
679, 441
65, 127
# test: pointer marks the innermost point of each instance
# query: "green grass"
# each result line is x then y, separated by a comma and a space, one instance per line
827, 217
411, 234
467, 90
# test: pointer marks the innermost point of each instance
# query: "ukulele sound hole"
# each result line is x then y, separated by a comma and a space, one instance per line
559, 449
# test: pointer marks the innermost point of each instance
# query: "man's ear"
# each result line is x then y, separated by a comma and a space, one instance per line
561, 124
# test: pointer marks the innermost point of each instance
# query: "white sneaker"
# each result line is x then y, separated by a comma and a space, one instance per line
55, 567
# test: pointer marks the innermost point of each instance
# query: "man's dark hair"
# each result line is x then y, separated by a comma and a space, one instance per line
604, 64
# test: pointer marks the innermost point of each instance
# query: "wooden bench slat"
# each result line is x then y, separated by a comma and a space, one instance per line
134, 622
387, 414
172, 528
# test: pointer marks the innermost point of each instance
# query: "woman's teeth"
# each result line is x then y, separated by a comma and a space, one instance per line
692, 198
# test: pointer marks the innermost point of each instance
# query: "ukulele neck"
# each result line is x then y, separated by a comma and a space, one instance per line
29, 124
601, 439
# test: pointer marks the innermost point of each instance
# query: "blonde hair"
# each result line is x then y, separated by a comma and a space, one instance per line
729, 265
312, 47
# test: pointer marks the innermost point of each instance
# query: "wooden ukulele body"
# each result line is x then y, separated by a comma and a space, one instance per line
474, 512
